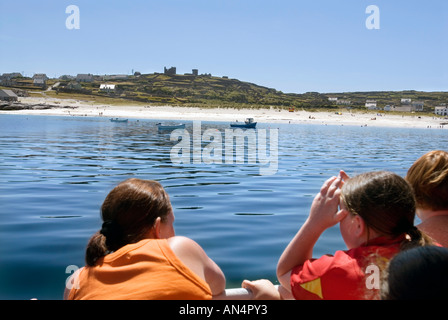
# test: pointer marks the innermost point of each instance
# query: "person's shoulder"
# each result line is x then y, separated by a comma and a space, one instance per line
190, 254
184, 244
181, 240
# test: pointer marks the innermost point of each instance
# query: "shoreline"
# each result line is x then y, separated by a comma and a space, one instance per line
70, 107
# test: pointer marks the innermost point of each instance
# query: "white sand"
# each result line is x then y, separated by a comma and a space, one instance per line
272, 115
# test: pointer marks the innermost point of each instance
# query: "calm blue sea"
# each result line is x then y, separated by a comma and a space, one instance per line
56, 171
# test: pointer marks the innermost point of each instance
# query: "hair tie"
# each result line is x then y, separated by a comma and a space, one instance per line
413, 229
414, 233
111, 230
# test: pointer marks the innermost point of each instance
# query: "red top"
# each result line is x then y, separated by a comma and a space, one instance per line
348, 275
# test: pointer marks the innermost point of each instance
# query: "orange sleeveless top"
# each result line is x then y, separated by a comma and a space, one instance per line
146, 270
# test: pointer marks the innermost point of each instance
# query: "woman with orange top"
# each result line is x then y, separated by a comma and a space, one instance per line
136, 254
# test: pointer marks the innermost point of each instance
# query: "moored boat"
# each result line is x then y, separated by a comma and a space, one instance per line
118, 120
248, 124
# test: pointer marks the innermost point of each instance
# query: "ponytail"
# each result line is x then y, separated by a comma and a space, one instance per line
96, 248
416, 238
108, 239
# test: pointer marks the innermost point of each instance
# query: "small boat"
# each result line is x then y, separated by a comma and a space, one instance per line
118, 120
248, 124
162, 127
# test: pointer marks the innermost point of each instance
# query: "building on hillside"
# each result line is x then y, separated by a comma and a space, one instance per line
107, 88
343, 102
40, 79
418, 106
66, 77
8, 95
170, 71
403, 108
371, 104
406, 101
74, 85
194, 72
441, 110
9, 79
12, 75
83, 77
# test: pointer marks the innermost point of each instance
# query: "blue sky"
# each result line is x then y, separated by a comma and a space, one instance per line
290, 45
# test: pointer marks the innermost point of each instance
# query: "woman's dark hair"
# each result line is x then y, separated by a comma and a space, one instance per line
129, 212
417, 274
385, 201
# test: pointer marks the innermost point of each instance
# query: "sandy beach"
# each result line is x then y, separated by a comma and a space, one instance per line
68, 107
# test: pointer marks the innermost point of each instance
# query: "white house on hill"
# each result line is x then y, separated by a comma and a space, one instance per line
40, 79
441, 110
107, 88
371, 104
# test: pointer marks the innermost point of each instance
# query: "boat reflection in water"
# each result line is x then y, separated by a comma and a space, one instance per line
162, 128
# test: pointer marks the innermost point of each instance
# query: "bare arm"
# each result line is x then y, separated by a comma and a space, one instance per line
323, 214
195, 258
265, 290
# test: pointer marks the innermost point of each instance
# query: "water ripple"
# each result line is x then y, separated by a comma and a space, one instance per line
56, 171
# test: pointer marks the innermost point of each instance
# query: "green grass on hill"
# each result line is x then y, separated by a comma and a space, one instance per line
209, 91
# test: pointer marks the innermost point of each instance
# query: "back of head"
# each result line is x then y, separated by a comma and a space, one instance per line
129, 212
418, 273
384, 200
386, 203
428, 176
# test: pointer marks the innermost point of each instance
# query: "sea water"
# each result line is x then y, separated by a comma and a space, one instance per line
56, 171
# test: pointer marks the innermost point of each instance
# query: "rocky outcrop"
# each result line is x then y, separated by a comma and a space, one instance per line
16, 106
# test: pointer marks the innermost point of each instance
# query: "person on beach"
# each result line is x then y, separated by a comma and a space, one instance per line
136, 254
375, 211
428, 176
417, 274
